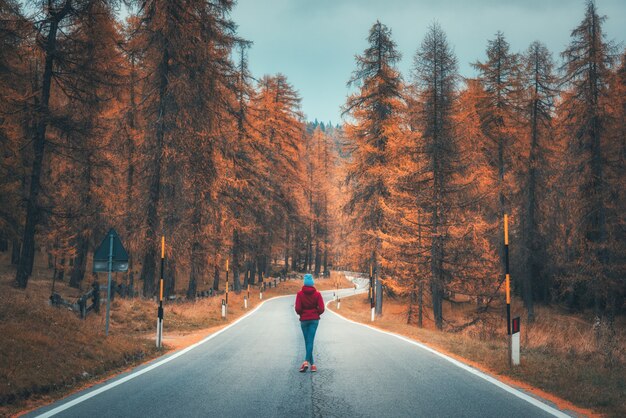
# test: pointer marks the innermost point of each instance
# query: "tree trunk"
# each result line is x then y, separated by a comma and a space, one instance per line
80, 262
196, 265
236, 262
154, 192
379, 296
409, 314
216, 278
318, 259
15, 252
420, 304
169, 279
130, 177
251, 266
531, 222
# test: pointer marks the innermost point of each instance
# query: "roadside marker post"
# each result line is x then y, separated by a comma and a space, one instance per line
261, 286
223, 309
159, 337
245, 302
226, 285
507, 287
248, 292
372, 294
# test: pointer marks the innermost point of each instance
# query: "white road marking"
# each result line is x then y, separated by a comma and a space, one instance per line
547, 408
131, 376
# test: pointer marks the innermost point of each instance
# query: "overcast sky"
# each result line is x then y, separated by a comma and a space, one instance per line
313, 42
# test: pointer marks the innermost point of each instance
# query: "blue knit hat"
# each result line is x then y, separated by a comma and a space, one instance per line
308, 280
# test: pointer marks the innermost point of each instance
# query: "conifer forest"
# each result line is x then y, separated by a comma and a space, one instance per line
151, 122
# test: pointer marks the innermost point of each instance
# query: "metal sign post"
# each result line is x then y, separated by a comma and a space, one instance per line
110, 256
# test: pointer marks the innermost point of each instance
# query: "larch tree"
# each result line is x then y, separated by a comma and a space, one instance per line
280, 128
54, 16
595, 259
539, 83
183, 48
436, 76
499, 76
14, 116
92, 80
375, 123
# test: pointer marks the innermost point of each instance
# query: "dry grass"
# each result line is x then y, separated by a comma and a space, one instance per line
560, 354
46, 352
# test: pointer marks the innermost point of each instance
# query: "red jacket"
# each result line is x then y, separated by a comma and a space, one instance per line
309, 303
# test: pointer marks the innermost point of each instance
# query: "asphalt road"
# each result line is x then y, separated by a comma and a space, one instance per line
251, 370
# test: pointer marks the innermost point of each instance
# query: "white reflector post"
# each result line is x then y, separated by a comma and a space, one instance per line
515, 349
373, 313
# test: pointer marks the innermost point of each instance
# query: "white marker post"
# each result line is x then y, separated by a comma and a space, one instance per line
223, 309
515, 337
245, 302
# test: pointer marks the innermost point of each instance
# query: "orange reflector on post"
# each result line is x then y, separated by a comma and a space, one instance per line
506, 229
508, 290
226, 264
161, 290
163, 246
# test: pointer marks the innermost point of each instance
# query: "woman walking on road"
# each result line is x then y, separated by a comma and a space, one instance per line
309, 305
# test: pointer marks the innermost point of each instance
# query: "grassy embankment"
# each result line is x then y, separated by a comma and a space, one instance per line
48, 352
560, 357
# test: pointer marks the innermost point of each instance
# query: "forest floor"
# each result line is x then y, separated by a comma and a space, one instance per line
47, 352
561, 360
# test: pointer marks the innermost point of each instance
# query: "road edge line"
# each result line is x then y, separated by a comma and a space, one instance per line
132, 375
516, 392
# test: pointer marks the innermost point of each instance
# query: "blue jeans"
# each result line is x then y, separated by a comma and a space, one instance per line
308, 330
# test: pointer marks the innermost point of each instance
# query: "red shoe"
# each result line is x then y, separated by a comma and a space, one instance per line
313, 368
304, 367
